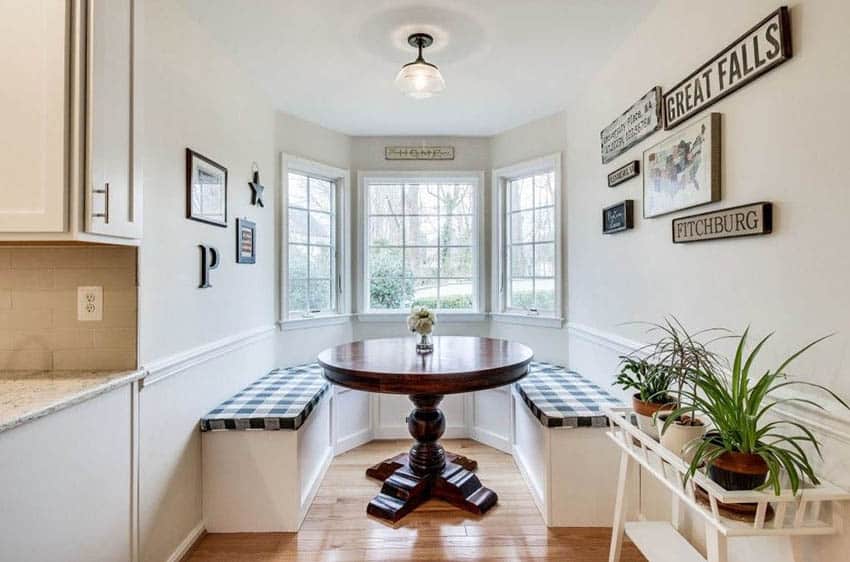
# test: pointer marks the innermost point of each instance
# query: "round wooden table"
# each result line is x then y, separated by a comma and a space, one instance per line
457, 364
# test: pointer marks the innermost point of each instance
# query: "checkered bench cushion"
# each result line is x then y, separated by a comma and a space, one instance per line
282, 399
561, 398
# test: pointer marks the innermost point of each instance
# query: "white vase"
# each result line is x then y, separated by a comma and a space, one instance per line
677, 436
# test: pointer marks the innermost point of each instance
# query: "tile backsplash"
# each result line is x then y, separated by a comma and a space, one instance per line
38, 308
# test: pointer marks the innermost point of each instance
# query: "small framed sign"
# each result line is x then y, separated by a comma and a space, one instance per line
619, 217
246, 232
624, 173
635, 124
206, 190
419, 153
734, 222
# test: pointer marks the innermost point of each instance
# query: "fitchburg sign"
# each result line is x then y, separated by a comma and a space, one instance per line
734, 222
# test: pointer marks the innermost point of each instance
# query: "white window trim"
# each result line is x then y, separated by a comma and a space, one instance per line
477, 176
341, 178
500, 178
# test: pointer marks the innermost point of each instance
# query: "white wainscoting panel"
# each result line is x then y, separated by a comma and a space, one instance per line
491, 418
352, 419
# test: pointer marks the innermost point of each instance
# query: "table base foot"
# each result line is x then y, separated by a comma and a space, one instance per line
385, 468
403, 491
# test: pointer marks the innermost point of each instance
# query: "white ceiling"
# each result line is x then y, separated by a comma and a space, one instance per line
505, 62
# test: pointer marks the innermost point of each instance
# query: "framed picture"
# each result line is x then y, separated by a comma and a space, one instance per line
683, 170
618, 218
246, 232
206, 189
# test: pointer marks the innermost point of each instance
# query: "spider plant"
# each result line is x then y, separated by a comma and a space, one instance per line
650, 381
737, 408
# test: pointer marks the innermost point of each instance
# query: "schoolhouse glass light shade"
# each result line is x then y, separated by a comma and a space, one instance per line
420, 79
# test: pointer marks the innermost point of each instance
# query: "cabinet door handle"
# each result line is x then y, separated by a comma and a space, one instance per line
104, 215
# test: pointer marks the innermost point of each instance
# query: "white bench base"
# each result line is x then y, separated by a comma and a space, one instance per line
265, 481
570, 472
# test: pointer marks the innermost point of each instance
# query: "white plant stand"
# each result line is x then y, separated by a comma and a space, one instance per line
812, 511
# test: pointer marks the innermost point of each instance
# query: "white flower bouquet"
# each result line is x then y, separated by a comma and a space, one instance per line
421, 320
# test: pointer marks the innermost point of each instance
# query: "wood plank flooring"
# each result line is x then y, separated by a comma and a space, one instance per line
338, 529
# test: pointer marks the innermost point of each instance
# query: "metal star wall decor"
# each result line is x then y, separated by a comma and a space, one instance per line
256, 188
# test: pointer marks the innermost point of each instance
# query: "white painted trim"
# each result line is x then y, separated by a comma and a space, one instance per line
608, 340
313, 488
314, 322
527, 319
187, 543
354, 440
161, 369
491, 439
442, 317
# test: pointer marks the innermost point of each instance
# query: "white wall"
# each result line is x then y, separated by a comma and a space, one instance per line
782, 142
539, 138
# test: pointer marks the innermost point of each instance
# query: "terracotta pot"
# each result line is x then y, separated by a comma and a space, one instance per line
678, 435
645, 413
738, 471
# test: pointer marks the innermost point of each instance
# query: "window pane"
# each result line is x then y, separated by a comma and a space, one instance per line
320, 295
420, 231
385, 262
297, 261
544, 260
455, 199
543, 190
385, 199
456, 294
456, 262
522, 194
385, 231
297, 225
544, 224
522, 293
522, 227
425, 293
298, 296
297, 190
390, 292
320, 228
522, 261
421, 262
320, 262
544, 294
321, 194
421, 199
455, 231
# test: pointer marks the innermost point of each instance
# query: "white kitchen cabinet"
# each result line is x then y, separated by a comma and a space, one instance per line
70, 110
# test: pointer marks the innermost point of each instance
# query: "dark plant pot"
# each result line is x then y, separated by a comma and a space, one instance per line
738, 471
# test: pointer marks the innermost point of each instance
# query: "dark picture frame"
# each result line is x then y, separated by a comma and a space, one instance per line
624, 173
246, 241
206, 190
618, 217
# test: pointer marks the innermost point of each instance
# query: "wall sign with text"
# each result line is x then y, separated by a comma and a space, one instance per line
734, 222
757, 51
419, 153
635, 124
619, 217
624, 173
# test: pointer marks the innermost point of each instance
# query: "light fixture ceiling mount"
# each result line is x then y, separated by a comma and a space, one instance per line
420, 79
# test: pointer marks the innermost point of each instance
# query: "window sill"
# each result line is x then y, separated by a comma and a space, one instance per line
528, 319
314, 322
442, 317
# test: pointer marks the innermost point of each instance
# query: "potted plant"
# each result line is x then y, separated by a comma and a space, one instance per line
682, 355
651, 383
746, 450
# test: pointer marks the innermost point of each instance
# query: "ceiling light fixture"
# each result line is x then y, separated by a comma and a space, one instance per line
420, 79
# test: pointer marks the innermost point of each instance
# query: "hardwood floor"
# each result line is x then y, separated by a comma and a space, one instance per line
338, 529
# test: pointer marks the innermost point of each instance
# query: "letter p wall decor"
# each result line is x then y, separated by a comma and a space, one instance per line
209, 260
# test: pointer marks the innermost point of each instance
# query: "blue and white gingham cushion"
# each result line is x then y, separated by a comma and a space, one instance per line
282, 399
561, 398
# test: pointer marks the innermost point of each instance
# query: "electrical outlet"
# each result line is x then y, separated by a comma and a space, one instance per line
89, 304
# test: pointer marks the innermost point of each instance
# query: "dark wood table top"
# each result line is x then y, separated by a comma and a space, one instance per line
457, 364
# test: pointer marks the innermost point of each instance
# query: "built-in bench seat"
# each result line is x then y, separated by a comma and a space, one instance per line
265, 451
561, 448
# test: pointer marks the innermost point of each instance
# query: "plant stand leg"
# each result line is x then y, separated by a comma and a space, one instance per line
715, 544
619, 527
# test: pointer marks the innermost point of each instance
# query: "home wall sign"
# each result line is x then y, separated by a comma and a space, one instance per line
734, 222
635, 124
624, 173
246, 232
209, 260
257, 188
419, 153
206, 189
619, 217
762, 48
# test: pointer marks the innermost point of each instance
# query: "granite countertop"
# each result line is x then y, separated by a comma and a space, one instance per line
29, 395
